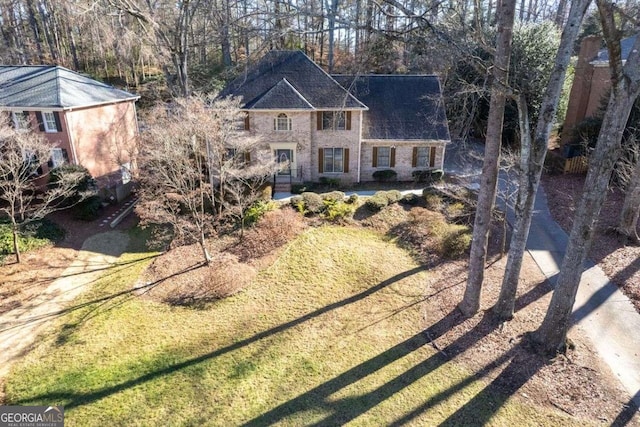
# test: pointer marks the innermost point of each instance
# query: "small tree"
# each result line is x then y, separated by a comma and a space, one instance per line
24, 196
189, 157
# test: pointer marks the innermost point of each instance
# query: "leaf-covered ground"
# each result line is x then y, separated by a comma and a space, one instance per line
620, 262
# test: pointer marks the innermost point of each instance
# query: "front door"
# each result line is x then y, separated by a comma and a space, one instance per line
284, 157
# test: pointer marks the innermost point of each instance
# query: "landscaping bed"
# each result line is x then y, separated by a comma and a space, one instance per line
619, 260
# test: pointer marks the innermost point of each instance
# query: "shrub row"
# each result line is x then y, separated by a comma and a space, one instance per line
383, 198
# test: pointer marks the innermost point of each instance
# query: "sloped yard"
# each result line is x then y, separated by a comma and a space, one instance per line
344, 326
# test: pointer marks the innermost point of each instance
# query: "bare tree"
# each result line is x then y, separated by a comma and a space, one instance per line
625, 84
532, 157
24, 194
629, 171
187, 161
486, 199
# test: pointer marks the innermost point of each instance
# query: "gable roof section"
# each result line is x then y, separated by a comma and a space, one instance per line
625, 45
401, 107
50, 86
284, 80
282, 94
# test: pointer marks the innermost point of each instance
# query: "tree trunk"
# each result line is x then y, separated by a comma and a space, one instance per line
205, 252
331, 15
628, 225
551, 335
16, 245
532, 160
486, 199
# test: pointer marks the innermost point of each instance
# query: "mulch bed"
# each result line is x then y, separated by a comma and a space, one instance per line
620, 262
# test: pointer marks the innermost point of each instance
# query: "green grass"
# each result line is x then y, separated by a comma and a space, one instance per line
32, 236
330, 333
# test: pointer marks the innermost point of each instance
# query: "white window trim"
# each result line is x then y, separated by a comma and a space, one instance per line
17, 123
282, 118
46, 122
335, 120
388, 165
57, 157
427, 157
333, 160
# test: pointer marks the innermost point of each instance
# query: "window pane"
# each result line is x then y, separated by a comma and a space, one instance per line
328, 160
337, 159
21, 120
422, 160
57, 158
49, 122
327, 120
283, 122
340, 121
384, 157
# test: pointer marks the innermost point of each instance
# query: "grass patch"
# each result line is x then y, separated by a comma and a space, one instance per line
331, 333
35, 235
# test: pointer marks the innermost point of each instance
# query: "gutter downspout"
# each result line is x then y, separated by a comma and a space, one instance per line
72, 143
360, 145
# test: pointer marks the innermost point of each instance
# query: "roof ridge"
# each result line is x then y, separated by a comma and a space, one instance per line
333, 80
298, 92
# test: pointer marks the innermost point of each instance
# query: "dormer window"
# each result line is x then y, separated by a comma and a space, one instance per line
282, 122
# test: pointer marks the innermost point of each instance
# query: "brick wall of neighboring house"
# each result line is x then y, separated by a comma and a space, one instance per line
345, 139
103, 138
403, 157
590, 84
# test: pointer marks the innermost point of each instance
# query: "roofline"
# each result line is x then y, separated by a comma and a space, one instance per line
428, 140
334, 80
58, 108
97, 104
298, 93
387, 75
306, 110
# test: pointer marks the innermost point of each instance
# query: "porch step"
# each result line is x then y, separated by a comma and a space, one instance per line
282, 187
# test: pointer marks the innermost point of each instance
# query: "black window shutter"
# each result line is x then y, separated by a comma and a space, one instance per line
320, 159
65, 155
432, 157
345, 158
374, 157
348, 120
56, 116
40, 121
392, 161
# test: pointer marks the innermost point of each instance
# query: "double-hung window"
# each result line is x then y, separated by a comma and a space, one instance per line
422, 157
384, 157
334, 120
333, 160
20, 120
282, 122
49, 121
57, 158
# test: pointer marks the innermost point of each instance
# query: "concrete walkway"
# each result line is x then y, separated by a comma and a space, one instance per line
604, 313
19, 327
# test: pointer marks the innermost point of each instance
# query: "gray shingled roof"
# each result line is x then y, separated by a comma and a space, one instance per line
49, 86
284, 80
402, 107
625, 45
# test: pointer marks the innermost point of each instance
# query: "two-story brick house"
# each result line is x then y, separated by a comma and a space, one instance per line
87, 122
344, 127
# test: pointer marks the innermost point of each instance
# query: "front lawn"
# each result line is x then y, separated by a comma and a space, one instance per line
332, 332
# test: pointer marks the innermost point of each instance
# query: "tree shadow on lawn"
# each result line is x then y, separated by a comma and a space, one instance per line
345, 410
73, 400
481, 407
